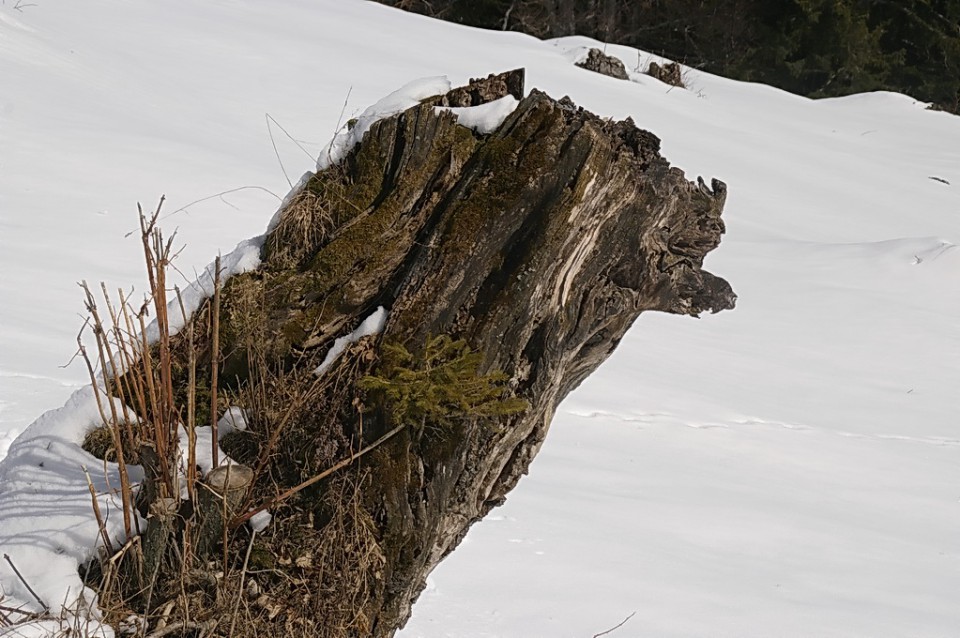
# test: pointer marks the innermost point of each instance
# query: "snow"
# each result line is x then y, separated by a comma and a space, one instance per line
403, 98
244, 258
259, 521
485, 118
203, 449
234, 419
46, 526
372, 325
789, 468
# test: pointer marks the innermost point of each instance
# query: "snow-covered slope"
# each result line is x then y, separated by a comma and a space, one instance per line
791, 468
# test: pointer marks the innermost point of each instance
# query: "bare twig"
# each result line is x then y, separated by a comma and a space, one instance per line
112, 424
46, 608
191, 468
157, 430
243, 577
343, 110
614, 628
96, 511
112, 386
133, 351
319, 477
15, 610
118, 372
123, 550
215, 361
183, 625
216, 196
276, 151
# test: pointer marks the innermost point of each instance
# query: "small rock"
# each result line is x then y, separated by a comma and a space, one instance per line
599, 62
669, 73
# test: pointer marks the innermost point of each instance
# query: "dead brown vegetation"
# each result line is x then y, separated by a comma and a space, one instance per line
171, 574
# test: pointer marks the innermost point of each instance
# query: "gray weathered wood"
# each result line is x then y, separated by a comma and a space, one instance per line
219, 497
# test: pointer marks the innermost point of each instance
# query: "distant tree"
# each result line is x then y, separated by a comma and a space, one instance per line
816, 47
926, 36
810, 47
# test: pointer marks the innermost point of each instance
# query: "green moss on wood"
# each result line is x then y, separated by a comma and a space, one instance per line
312, 277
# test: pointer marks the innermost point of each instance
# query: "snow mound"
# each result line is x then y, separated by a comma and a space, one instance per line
407, 96
485, 118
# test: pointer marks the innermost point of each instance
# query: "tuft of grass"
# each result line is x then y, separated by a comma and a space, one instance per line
305, 224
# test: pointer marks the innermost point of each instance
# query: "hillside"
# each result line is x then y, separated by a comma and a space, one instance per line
789, 468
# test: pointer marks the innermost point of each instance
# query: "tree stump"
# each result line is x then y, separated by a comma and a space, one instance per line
538, 245
219, 498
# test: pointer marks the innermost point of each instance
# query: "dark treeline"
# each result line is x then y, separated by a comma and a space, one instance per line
811, 47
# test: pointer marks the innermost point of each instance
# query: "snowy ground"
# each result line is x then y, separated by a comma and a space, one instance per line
791, 468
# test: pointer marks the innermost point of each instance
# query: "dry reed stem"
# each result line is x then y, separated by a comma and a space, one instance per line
126, 494
118, 373
141, 375
130, 351
46, 608
167, 412
110, 380
224, 517
101, 524
154, 430
191, 469
111, 571
133, 355
243, 577
215, 361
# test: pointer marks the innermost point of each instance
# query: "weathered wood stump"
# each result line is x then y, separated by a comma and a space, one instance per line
219, 498
538, 244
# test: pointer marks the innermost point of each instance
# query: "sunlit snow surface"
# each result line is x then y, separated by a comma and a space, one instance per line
790, 468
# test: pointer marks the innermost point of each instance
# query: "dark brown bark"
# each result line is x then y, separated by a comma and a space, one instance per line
539, 245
